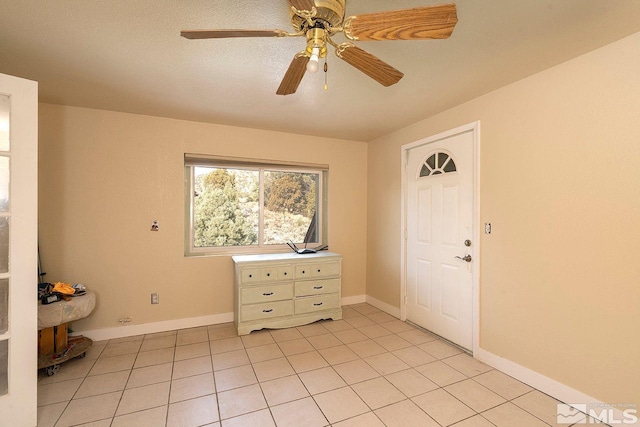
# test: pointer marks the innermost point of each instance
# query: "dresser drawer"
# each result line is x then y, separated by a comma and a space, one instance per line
285, 272
250, 275
325, 269
317, 303
267, 274
316, 287
260, 294
266, 311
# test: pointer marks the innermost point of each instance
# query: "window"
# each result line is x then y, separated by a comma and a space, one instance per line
437, 164
239, 206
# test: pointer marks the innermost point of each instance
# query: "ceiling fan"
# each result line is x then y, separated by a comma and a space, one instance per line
320, 20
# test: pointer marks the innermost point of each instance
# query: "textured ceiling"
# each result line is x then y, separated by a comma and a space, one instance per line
128, 56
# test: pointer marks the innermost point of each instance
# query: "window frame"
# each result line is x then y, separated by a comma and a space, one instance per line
191, 161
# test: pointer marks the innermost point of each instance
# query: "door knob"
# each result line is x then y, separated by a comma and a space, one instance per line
466, 258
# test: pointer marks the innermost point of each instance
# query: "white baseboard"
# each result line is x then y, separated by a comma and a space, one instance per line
172, 325
356, 299
151, 328
553, 388
387, 308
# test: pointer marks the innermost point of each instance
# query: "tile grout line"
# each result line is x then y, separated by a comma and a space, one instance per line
313, 349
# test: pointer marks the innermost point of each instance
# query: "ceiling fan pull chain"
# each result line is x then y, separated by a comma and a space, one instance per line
326, 86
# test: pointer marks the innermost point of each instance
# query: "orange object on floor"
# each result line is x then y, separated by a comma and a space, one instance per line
63, 288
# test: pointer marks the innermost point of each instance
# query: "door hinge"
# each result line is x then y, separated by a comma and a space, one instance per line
406, 235
405, 300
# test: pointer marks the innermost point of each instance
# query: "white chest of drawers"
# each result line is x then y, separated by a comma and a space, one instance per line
285, 290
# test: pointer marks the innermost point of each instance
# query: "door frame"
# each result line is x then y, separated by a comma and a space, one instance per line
19, 406
474, 128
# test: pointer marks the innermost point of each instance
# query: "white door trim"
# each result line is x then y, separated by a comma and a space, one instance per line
19, 406
474, 127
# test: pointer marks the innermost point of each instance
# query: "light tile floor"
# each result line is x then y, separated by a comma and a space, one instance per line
367, 370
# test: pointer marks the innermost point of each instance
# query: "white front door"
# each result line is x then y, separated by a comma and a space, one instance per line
439, 237
18, 251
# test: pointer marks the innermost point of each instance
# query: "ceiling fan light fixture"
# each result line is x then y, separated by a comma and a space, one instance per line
317, 37
312, 65
316, 47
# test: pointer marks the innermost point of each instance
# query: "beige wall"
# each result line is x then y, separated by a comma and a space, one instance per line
560, 183
104, 176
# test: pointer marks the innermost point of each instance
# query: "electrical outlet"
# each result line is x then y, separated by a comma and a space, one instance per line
487, 228
155, 299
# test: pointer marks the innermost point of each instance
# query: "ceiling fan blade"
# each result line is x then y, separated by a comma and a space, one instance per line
429, 22
371, 65
294, 74
302, 4
222, 34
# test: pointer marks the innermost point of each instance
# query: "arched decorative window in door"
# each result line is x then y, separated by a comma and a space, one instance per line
438, 163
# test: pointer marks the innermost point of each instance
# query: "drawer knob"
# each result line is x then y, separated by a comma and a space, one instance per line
318, 270
251, 275
268, 274
267, 311
285, 273
317, 304
318, 287
267, 294
303, 271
